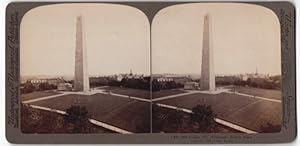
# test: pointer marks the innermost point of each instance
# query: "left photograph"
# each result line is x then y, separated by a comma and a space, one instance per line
80, 72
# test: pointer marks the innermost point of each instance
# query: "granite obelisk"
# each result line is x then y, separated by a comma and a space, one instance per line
207, 81
81, 80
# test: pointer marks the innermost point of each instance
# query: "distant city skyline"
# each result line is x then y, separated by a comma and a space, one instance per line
154, 74
246, 38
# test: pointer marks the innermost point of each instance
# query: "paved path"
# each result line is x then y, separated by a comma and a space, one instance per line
44, 98
218, 91
101, 87
188, 92
254, 96
131, 97
173, 96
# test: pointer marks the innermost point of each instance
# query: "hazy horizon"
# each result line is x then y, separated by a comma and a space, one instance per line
183, 74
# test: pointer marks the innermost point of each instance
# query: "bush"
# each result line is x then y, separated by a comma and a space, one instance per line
204, 117
270, 128
37, 121
175, 118
79, 118
27, 88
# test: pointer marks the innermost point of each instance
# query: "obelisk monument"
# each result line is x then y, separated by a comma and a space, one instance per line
207, 81
81, 80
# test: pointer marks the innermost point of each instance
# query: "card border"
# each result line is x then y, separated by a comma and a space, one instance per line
285, 12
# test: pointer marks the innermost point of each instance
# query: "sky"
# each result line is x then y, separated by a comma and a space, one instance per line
244, 38
117, 39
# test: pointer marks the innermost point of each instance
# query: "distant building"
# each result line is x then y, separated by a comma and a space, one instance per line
182, 80
37, 81
244, 77
191, 86
119, 78
164, 79
64, 87
52, 81
55, 81
248, 76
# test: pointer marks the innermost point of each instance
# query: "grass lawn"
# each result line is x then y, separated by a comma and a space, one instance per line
134, 116
241, 110
130, 92
39, 121
37, 94
164, 122
267, 93
163, 93
128, 114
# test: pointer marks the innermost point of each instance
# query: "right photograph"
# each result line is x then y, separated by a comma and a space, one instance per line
216, 68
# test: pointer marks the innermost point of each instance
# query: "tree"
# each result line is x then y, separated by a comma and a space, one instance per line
156, 86
112, 82
175, 118
204, 117
28, 88
46, 86
79, 118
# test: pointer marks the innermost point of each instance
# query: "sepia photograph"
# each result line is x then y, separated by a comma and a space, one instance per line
216, 69
85, 68
190, 68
